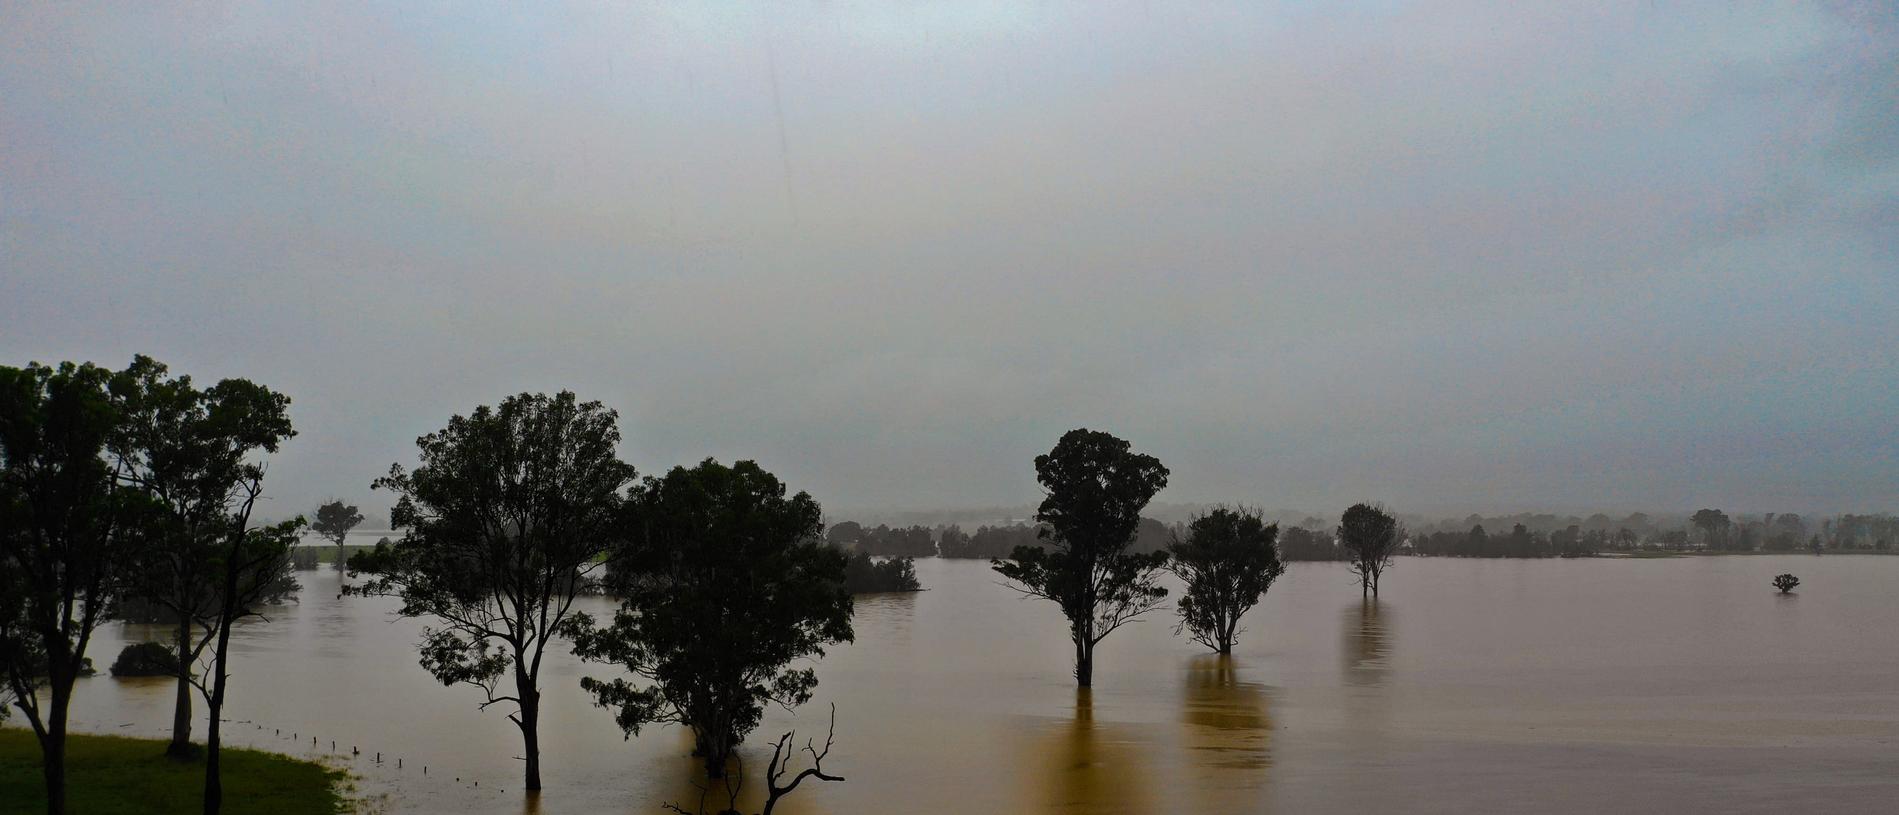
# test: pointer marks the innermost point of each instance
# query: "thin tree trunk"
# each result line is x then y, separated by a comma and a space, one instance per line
213, 781
53, 744
180, 746
530, 727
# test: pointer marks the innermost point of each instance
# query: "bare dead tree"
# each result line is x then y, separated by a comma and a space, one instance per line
775, 786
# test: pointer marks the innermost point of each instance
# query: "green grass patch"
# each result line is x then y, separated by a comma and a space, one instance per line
110, 775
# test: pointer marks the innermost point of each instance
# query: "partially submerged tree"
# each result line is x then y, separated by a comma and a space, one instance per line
333, 522
198, 454
504, 518
1369, 537
866, 575
1786, 582
1096, 487
66, 528
147, 659
724, 583
1227, 562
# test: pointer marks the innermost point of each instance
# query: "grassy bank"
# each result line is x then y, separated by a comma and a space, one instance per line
109, 775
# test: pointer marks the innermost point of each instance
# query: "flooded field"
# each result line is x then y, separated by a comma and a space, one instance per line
1554, 685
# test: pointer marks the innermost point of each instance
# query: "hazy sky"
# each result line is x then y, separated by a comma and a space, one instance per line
1450, 256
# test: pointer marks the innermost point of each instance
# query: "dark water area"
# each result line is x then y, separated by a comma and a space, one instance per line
1678, 685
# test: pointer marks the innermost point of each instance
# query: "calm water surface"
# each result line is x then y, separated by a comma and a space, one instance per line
1674, 685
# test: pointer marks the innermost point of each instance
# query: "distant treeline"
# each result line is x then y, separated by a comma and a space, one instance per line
951, 541
1000, 541
1525, 535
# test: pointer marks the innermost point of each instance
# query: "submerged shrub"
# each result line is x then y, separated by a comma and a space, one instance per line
145, 659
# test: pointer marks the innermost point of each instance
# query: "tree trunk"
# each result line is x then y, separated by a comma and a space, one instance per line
530, 727
213, 781
53, 744
54, 768
1084, 663
180, 746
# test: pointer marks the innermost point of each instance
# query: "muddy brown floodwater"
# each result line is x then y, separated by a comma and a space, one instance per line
1586, 686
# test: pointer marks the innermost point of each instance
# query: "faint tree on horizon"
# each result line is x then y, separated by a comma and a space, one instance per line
507, 512
333, 522
1227, 562
724, 582
1096, 488
1369, 536
1713, 524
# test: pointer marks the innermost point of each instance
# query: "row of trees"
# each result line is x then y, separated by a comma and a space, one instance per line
1089, 566
1520, 542
1528, 535
988, 542
132, 490
723, 578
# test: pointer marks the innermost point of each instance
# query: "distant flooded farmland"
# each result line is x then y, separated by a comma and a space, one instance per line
1584, 686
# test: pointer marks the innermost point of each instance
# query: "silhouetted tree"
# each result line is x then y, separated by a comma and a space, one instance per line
1228, 561
1151, 536
1300, 543
845, 535
504, 518
952, 542
1713, 524
1786, 582
1369, 536
66, 529
723, 583
1096, 489
198, 454
146, 659
333, 522
864, 574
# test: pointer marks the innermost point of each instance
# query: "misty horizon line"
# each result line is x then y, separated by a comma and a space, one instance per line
1181, 511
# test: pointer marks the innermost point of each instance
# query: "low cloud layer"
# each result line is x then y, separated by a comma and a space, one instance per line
1450, 256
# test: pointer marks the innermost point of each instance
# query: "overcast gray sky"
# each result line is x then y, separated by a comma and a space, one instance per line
1452, 256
